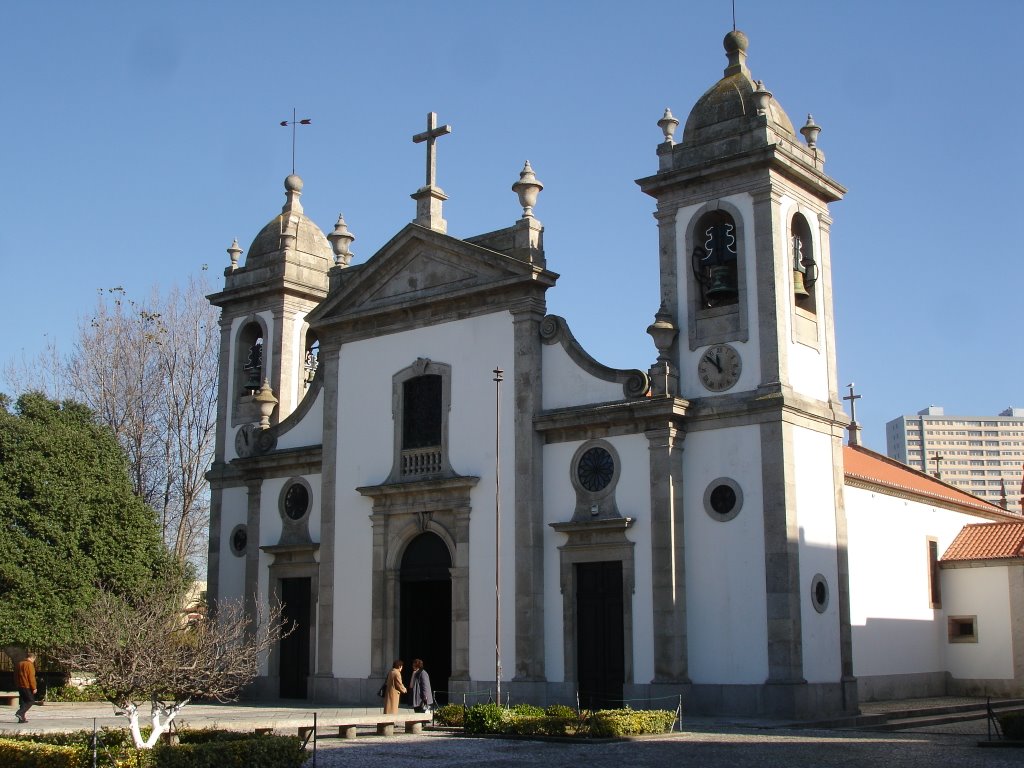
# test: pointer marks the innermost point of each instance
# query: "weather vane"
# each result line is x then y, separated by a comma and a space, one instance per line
293, 122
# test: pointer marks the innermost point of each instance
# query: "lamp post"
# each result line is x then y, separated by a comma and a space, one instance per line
497, 533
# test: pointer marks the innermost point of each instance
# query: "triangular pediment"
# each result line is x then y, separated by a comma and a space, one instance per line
419, 267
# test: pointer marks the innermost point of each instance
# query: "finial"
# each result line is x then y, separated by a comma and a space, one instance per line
810, 132
528, 187
292, 192
736, 51
762, 97
341, 239
265, 402
668, 125
234, 252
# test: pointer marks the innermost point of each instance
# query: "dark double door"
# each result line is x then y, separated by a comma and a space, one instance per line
293, 669
600, 650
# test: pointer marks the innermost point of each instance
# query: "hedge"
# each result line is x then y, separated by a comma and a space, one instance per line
560, 720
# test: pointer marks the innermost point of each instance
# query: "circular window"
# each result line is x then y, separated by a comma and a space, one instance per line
239, 540
819, 593
296, 501
595, 469
723, 499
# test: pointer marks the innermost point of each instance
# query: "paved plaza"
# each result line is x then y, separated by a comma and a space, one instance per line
703, 742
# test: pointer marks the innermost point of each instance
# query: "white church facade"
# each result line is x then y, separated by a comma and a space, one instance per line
421, 462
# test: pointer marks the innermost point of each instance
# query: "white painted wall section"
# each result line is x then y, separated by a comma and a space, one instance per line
984, 593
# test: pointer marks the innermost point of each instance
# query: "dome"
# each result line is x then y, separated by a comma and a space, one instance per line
727, 107
309, 238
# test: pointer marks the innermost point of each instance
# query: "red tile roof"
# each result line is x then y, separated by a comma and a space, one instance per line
868, 467
987, 541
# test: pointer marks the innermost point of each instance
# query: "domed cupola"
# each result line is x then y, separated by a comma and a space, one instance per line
290, 230
732, 104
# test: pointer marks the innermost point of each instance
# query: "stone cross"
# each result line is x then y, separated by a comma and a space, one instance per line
430, 136
854, 428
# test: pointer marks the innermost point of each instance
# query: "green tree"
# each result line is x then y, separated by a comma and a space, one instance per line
69, 522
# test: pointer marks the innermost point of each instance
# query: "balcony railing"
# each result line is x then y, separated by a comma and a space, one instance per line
421, 462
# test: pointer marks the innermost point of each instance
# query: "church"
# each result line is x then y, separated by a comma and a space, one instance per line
420, 462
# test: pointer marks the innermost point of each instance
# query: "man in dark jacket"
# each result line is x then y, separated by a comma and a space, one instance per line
25, 679
419, 684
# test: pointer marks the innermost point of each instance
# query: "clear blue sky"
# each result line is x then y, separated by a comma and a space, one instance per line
139, 138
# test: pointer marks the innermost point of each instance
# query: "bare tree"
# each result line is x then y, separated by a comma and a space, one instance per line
149, 371
150, 649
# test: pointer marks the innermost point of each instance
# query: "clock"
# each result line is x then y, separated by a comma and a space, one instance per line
719, 367
245, 441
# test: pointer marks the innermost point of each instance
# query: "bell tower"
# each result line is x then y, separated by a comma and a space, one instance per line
268, 354
745, 265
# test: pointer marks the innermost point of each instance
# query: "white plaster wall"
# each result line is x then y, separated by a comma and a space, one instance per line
725, 568
232, 568
808, 365
981, 592
632, 495
815, 488
749, 351
268, 360
298, 355
566, 384
366, 445
895, 631
309, 431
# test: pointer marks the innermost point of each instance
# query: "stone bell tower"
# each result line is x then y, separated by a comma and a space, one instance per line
265, 342
742, 211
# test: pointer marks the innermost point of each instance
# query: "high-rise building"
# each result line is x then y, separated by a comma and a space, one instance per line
983, 455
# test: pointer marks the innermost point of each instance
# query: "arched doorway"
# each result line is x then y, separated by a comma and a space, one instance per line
425, 620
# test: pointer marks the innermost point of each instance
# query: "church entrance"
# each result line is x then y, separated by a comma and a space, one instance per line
600, 658
425, 621
293, 668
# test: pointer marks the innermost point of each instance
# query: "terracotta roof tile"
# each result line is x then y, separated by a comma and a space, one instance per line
987, 541
866, 465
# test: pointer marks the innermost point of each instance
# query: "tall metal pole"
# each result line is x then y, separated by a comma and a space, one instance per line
497, 533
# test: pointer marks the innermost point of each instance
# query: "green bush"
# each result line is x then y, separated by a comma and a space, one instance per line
526, 710
561, 710
74, 693
264, 751
1012, 724
608, 723
115, 751
450, 715
486, 718
18, 753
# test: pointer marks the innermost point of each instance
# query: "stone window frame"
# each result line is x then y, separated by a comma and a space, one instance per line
421, 367
955, 625
595, 505
820, 593
737, 506
241, 351
710, 325
295, 531
235, 550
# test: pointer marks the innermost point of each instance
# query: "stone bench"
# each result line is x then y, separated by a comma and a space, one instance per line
8, 699
415, 726
348, 730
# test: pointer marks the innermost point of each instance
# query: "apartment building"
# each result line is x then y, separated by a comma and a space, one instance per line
983, 455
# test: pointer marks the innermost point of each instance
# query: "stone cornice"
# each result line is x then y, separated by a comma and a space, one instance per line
608, 419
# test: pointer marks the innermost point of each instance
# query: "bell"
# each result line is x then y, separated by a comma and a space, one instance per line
799, 289
719, 285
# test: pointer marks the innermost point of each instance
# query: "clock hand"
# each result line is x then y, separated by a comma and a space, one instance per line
714, 361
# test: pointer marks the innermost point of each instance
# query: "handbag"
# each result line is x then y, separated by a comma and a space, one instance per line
383, 688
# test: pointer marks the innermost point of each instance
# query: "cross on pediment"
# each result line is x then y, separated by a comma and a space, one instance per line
430, 136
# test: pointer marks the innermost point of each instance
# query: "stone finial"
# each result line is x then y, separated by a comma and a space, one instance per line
810, 132
528, 187
341, 239
736, 44
293, 191
668, 125
664, 381
762, 97
234, 252
265, 403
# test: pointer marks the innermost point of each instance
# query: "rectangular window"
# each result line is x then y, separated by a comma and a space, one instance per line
963, 629
935, 593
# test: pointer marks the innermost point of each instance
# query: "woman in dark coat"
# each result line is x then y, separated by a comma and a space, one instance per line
393, 688
422, 696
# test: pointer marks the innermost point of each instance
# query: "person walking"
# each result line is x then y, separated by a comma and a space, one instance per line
393, 688
25, 677
422, 696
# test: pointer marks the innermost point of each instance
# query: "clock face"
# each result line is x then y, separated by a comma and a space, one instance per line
719, 367
244, 442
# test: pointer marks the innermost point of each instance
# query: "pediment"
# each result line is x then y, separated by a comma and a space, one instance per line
419, 267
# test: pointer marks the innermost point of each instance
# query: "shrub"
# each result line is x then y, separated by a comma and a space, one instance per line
1012, 724
486, 718
526, 710
116, 749
18, 753
561, 710
628, 722
450, 715
74, 693
264, 751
